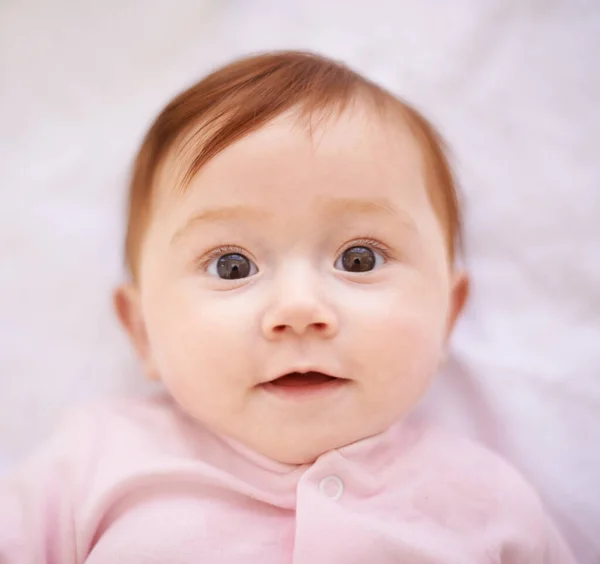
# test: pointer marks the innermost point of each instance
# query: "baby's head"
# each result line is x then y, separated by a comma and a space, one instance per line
291, 240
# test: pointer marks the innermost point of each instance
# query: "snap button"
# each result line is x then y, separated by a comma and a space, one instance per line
332, 487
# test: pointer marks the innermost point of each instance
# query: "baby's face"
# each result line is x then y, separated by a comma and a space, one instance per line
291, 254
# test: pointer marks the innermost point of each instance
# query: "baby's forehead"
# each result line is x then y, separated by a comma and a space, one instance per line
343, 137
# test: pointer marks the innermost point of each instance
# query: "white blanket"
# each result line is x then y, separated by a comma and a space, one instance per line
514, 86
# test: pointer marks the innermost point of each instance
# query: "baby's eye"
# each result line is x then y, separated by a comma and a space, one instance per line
232, 266
359, 259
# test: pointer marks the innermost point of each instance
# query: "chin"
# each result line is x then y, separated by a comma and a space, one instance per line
298, 457
306, 449
292, 451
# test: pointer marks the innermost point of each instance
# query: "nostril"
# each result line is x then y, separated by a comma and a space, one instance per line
318, 326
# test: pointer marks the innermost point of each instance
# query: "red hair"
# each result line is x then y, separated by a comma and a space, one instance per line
241, 97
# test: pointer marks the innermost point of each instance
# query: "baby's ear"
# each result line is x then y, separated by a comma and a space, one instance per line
458, 297
129, 311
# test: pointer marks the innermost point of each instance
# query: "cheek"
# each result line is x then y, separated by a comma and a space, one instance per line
404, 344
403, 353
401, 331
192, 339
408, 308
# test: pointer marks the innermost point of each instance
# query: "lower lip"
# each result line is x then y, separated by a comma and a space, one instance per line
305, 391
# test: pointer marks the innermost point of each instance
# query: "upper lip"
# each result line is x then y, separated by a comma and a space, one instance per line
303, 370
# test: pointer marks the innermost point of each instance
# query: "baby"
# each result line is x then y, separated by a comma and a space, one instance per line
291, 247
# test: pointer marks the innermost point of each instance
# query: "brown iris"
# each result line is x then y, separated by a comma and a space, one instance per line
233, 266
358, 259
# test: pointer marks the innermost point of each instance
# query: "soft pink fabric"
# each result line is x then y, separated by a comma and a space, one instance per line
138, 482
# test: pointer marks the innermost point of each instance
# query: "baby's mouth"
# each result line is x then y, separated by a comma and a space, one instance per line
300, 379
303, 386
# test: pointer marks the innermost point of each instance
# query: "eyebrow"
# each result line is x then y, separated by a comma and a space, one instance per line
348, 206
358, 206
374, 207
218, 215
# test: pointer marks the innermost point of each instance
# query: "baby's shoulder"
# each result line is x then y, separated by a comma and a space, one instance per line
129, 412
129, 431
468, 466
465, 458
457, 476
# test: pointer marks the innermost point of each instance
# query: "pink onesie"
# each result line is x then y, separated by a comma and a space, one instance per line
139, 482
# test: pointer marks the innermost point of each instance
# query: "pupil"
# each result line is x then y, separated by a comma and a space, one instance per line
233, 266
358, 259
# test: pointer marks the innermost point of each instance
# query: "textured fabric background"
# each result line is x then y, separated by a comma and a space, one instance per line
514, 86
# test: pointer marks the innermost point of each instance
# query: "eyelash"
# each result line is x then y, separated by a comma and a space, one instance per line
229, 249
219, 252
371, 243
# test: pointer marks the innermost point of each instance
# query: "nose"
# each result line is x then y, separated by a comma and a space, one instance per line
299, 307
